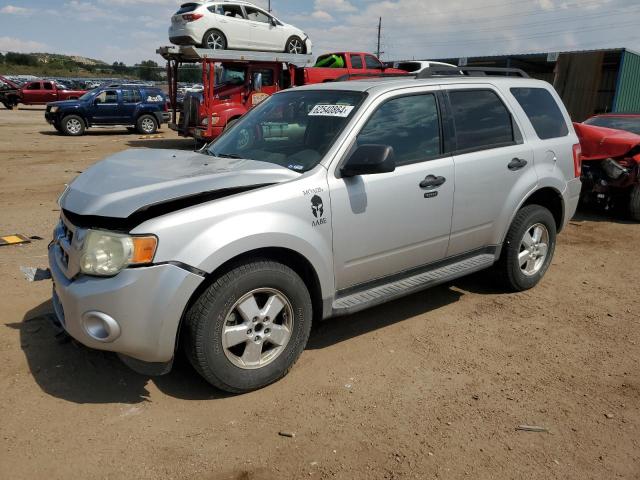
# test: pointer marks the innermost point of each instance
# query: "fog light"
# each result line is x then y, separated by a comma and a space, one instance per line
100, 326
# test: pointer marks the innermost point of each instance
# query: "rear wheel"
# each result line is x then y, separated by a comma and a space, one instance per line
295, 45
249, 327
72, 125
634, 203
214, 40
147, 125
528, 248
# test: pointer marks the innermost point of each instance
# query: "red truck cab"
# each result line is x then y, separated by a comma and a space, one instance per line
40, 92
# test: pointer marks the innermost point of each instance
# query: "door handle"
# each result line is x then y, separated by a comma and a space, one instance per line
431, 181
516, 164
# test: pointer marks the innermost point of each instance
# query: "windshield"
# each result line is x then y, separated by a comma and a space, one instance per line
629, 124
233, 76
292, 129
88, 95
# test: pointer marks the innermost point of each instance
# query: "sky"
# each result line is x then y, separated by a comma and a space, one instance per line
130, 30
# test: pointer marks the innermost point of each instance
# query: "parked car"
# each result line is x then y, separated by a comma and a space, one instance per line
9, 93
235, 25
322, 201
417, 66
629, 122
344, 66
41, 92
137, 107
611, 165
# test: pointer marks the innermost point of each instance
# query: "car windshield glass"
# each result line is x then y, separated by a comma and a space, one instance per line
629, 124
292, 129
88, 95
233, 76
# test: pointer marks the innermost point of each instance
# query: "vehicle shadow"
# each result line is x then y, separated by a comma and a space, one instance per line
67, 370
587, 214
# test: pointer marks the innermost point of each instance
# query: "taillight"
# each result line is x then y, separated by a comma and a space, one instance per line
577, 159
192, 17
166, 106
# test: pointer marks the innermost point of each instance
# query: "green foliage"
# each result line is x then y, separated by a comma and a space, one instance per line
148, 70
21, 59
190, 74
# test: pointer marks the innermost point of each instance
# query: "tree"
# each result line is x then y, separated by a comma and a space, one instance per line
1, 58
149, 70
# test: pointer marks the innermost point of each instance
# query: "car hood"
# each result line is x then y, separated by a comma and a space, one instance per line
64, 103
136, 180
598, 143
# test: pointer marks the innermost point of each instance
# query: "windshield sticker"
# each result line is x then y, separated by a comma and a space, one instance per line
341, 111
296, 167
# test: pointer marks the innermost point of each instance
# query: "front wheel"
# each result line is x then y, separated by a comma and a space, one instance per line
73, 125
8, 105
528, 248
295, 45
634, 203
249, 327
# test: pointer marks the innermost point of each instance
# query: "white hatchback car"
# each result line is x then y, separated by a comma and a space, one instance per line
235, 25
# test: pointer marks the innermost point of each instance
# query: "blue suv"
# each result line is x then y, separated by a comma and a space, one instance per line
138, 107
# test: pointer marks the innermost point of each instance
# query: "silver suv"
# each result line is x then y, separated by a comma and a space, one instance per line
322, 201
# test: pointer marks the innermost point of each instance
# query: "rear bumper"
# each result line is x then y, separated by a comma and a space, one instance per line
572, 198
184, 40
141, 308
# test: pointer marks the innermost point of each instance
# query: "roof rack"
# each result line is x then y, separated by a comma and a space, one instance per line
190, 54
442, 71
352, 76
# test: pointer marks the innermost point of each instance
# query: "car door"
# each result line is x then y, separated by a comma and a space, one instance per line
494, 167
131, 100
234, 26
372, 64
106, 108
388, 223
262, 36
34, 92
49, 92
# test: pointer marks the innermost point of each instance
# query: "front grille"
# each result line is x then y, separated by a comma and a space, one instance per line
66, 247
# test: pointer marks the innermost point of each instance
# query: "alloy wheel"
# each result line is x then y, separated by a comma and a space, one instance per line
215, 41
73, 126
257, 328
534, 248
147, 125
295, 46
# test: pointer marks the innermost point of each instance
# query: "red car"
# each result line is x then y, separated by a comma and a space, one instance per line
41, 92
349, 65
610, 167
629, 122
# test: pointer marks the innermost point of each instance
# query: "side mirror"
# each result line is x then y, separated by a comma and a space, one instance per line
257, 82
273, 22
369, 159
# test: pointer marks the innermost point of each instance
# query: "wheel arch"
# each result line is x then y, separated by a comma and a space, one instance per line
291, 258
552, 200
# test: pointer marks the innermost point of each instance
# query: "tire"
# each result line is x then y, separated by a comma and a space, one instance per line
8, 105
530, 221
214, 40
218, 308
295, 45
634, 203
147, 125
73, 125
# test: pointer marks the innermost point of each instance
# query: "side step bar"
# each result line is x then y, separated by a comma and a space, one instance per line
354, 302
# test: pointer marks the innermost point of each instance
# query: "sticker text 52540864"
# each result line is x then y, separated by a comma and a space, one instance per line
341, 111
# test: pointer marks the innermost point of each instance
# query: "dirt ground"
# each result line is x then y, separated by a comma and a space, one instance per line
430, 386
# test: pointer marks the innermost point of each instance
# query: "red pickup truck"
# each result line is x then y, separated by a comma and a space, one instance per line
41, 92
344, 66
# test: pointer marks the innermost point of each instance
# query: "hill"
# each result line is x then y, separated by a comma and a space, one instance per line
53, 64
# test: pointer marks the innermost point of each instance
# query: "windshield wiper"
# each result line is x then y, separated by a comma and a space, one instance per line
227, 155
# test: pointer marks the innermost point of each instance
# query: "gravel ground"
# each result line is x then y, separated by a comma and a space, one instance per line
430, 386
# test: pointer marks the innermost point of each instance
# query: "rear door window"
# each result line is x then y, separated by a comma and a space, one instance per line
33, 86
481, 120
131, 96
233, 11
356, 62
408, 124
543, 112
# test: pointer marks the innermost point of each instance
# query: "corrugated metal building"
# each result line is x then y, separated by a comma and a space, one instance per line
589, 81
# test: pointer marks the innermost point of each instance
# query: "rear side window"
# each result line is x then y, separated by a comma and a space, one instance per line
267, 76
48, 85
543, 111
187, 8
481, 119
356, 61
409, 124
33, 86
131, 96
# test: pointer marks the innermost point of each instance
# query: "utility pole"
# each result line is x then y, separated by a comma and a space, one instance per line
379, 32
269, 6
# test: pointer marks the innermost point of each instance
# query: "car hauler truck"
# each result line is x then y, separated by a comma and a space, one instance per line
235, 81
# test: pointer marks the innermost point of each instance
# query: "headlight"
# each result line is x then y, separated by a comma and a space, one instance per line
54, 109
214, 120
105, 254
